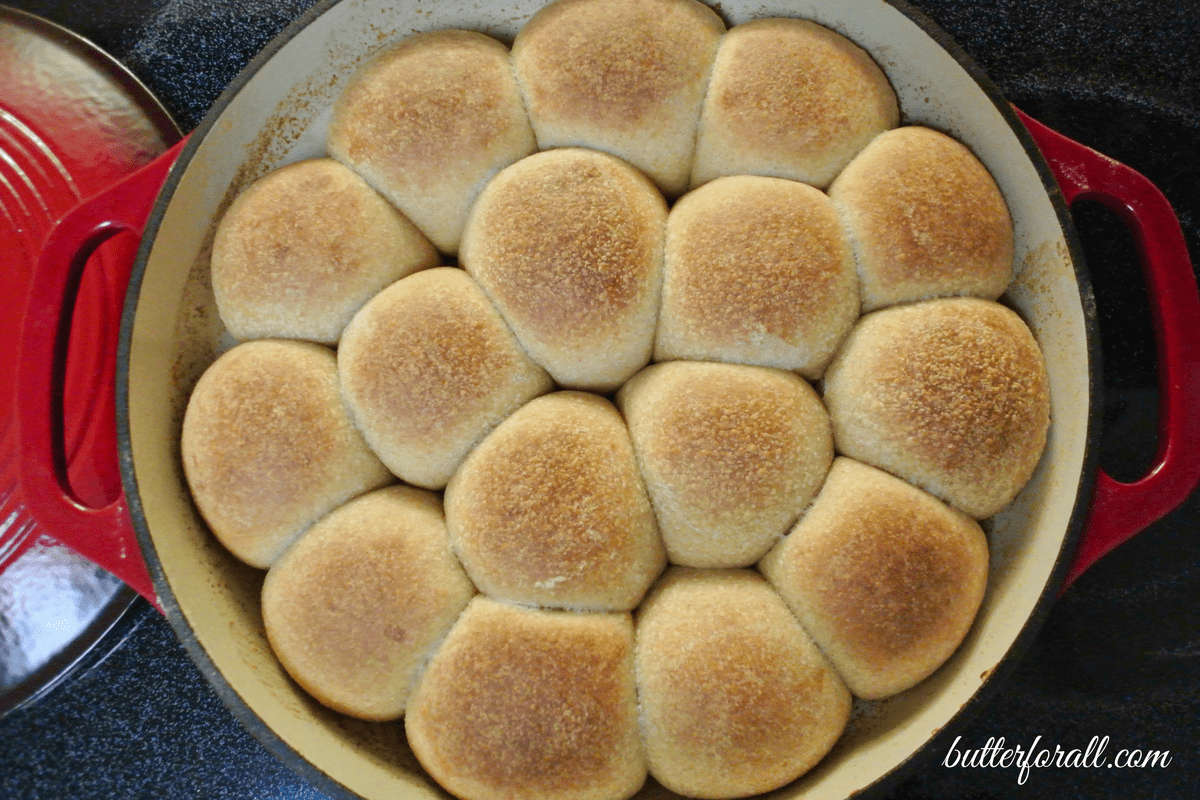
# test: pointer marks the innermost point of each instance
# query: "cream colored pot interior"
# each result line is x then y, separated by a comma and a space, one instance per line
280, 115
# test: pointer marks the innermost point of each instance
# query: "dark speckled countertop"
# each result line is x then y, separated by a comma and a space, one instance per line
1119, 655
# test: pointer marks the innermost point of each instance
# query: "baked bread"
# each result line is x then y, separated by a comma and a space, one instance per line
268, 446
302, 248
791, 99
757, 271
428, 122
623, 76
950, 394
736, 699
569, 246
550, 510
731, 455
356, 605
926, 219
427, 368
886, 578
530, 703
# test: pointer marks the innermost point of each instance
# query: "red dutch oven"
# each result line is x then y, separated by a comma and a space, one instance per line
1069, 515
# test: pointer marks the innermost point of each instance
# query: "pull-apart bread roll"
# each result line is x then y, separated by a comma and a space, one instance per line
531, 704
885, 577
427, 368
550, 510
731, 455
926, 220
757, 271
951, 395
623, 76
569, 246
791, 99
736, 699
428, 122
304, 247
356, 605
268, 446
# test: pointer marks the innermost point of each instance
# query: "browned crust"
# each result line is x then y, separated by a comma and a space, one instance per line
927, 219
268, 446
950, 394
550, 509
357, 604
736, 699
528, 703
885, 577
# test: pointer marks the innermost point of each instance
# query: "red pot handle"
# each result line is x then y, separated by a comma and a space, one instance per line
104, 535
1120, 510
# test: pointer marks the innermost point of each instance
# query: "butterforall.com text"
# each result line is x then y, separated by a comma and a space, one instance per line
996, 754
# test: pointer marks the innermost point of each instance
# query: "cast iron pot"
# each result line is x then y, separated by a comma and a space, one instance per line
277, 111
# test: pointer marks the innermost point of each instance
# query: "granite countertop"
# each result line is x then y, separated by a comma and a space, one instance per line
1119, 654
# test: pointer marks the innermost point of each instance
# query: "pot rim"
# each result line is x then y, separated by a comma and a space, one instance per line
988, 688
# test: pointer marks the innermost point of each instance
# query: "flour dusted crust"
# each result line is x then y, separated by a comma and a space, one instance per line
736, 698
791, 99
951, 395
356, 605
268, 446
301, 250
612, 395
427, 368
550, 509
531, 703
885, 577
926, 218
623, 76
428, 122
757, 271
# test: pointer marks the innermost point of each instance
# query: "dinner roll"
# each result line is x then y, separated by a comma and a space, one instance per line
757, 271
792, 99
950, 394
730, 454
550, 510
926, 220
428, 122
623, 76
302, 248
427, 368
736, 699
569, 245
268, 446
529, 703
885, 577
357, 603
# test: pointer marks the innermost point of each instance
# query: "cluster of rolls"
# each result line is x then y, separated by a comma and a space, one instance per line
685, 452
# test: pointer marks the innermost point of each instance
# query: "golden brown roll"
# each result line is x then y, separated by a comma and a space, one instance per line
951, 395
268, 446
530, 703
427, 368
791, 99
358, 602
623, 76
885, 577
302, 248
569, 246
736, 699
757, 271
428, 121
730, 454
926, 220
550, 509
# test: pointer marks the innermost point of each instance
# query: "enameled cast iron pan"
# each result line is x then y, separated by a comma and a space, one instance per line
276, 112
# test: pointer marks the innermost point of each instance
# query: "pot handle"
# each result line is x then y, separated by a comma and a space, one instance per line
105, 535
1120, 510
